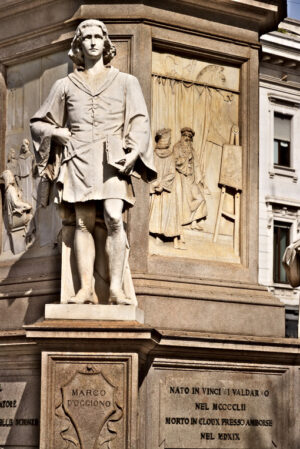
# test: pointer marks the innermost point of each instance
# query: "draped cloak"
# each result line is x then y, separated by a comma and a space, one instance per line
113, 110
164, 214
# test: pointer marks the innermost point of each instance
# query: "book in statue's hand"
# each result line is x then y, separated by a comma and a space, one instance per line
115, 153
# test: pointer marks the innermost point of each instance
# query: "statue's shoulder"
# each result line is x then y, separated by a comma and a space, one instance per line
127, 77
62, 81
60, 85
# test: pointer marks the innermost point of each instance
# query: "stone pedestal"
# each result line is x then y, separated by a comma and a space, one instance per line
195, 390
93, 312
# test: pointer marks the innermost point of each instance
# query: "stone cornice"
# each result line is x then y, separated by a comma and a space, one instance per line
267, 80
261, 16
157, 343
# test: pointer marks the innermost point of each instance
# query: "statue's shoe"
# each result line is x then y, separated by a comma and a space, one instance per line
83, 297
121, 299
196, 226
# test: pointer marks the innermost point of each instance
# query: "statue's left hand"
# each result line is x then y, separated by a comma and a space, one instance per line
130, 159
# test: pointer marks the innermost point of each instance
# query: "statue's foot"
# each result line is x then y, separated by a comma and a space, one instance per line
179, 244
118, 297
196, 226
83, 296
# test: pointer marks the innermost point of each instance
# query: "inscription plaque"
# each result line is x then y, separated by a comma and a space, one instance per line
19, 410
213, 410
88, 401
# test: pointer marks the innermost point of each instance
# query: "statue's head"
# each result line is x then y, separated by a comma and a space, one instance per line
187, 134
163, 138
8, 178
76, 53
11, 154
25, 146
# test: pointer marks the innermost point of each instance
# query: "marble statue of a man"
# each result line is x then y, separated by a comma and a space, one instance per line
89, 135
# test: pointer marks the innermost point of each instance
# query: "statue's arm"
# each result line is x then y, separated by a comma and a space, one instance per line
44, 125
137, 126
18, 205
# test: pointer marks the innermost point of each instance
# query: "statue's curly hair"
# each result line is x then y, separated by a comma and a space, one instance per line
76, 54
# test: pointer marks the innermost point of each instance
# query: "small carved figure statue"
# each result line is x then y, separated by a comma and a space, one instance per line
18, 211
192, 204
89, 134
12, 162
164, 218
26, 171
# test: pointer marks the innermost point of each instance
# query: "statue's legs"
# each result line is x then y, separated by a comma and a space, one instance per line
84, 247
115, 249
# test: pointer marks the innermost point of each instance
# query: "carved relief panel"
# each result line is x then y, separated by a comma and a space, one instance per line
195, 202
20, 197
89, 401
28, 85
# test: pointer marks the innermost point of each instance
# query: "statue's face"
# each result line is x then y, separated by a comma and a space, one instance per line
24, 147
92, 42
187, 136
8, 177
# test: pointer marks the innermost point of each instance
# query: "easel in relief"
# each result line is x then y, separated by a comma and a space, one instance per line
231, 178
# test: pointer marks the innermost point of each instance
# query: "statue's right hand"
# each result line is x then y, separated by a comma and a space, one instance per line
63, 135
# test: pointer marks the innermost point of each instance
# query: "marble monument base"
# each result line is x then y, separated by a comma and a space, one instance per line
139, 387
93, 312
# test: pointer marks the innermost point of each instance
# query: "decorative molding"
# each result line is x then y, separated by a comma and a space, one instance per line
282, 100
282, 201
286, 172
277, 82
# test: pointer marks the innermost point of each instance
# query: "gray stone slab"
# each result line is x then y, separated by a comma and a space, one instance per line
218, 405
93, 312
92, 400
19, 409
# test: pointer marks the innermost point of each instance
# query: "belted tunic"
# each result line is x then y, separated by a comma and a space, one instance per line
114, 110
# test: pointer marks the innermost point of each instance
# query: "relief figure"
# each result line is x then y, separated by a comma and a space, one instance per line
164, 208
12, 163
192, 204
17, 214
26, 172
18, 205
94, 127
18, 210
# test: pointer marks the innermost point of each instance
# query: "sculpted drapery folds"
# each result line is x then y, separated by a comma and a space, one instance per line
26, 172
89, 135
164, 217
18, 210
177, 194
191, 199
